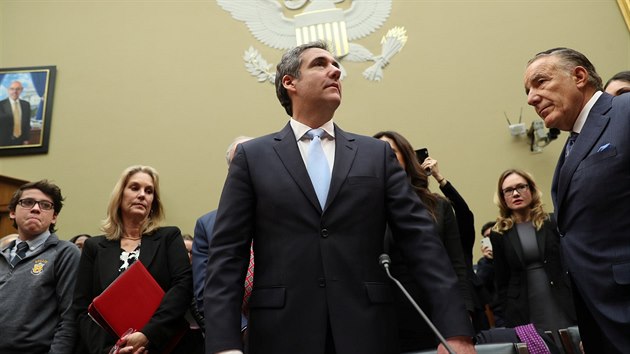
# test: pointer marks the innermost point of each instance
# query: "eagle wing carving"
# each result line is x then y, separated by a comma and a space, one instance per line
366, 16
265, 21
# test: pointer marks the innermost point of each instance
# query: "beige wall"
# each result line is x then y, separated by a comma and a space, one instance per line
163, 83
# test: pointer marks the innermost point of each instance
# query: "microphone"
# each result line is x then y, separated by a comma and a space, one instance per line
385, 262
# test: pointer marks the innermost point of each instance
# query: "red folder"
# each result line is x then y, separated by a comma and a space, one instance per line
128, 302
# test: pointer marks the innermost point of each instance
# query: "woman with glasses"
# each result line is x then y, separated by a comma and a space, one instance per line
531, 284
133, 234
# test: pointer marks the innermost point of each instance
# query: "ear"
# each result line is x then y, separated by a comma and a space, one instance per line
54, 219
12, 215
580, 76
288, 82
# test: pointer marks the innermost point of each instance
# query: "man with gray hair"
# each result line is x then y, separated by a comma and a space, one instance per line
203, 235
590, 191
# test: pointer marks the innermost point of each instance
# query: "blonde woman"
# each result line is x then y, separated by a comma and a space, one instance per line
531, 284
133, 234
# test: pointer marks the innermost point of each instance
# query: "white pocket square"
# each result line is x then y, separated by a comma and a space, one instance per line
603, 147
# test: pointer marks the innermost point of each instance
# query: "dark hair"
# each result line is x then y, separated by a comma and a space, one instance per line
75, 238
290, 65
570, 59
621, 76
50, 189
416, 175
487, 226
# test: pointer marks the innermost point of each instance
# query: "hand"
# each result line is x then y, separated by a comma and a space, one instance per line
460, 345
134, 343
431, 165
486, 251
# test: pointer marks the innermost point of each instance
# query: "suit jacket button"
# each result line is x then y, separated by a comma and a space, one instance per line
321, 282
324, 233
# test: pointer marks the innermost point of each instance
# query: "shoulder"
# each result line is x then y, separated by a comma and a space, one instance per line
208, 217
620, 106
358, 138
62, 245
166, 232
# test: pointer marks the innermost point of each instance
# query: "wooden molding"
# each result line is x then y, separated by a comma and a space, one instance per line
624, 6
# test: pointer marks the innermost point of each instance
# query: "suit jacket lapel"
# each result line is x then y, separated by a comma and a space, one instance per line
109, 256
541, 238
148, 248
512, 236
591, 132
345, 151
289, 153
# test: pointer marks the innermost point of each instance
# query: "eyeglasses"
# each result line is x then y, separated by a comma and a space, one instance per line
520, 188
29, 203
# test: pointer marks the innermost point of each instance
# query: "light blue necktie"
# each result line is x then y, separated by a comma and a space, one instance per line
317, 165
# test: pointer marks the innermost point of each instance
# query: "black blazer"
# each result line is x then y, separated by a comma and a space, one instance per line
164, 255
314, 266
511, 276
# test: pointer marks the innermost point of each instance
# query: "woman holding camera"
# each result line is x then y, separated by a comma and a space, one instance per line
531, 284
413, 333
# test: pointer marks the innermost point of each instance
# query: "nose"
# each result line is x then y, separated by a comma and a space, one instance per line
335, 72
532, 98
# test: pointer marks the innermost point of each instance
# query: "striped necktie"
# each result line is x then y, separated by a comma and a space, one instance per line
20, 254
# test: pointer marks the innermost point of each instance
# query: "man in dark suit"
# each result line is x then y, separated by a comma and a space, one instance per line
590, 191
318, 285
201, 242
15, 117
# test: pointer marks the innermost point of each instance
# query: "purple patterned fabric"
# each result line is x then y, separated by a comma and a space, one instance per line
535, 344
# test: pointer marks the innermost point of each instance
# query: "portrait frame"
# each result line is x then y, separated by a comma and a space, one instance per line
624, 6
38, 83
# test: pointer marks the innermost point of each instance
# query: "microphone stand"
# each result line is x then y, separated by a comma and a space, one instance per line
385, 261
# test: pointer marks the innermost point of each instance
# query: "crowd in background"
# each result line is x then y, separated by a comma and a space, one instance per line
243, 261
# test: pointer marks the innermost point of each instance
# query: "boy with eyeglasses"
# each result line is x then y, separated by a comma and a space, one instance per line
37, 276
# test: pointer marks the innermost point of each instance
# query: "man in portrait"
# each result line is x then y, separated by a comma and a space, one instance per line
15, 117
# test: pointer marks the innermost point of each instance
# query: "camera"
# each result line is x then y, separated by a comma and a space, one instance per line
485, 242
422, 154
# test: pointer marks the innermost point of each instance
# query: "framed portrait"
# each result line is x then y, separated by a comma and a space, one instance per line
26, 101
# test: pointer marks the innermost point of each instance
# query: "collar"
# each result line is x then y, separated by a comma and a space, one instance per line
581, 119
37, 241
299, 129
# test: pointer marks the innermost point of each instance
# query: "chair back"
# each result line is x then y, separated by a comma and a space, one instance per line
491, 348
570, 338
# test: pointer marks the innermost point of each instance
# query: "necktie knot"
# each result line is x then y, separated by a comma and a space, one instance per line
572, 138
319, 132
22, 247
